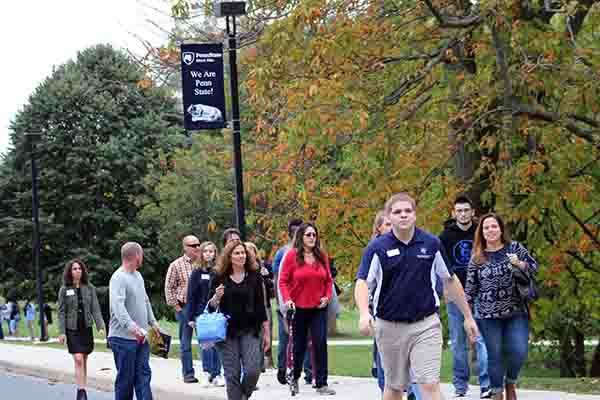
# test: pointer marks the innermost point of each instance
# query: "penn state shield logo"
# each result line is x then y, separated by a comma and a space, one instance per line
462, 252
187, 57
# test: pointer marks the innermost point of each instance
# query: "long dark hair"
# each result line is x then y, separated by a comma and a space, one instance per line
479, 243
224, 266
68, 272
299, 244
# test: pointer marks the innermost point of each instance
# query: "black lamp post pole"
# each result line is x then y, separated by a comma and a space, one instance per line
235, 116
36, 232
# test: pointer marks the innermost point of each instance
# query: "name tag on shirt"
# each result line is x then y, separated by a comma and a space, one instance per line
70, 292
393, 252
205, 277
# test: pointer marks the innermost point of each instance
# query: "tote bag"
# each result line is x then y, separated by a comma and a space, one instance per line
211, 327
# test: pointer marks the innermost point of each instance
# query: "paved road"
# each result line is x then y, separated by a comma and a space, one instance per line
28, 388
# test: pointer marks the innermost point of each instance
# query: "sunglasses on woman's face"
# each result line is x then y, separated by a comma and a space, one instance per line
310, 234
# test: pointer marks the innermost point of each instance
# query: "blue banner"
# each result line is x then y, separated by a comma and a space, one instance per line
202, 85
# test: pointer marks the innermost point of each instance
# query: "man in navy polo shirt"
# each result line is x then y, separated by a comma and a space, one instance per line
402, 267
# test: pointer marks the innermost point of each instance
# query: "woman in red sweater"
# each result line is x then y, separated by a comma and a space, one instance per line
306, 285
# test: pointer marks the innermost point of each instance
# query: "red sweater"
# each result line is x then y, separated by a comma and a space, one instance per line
304, 284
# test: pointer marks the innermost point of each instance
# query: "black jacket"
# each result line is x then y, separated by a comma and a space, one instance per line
458, 245
197, 294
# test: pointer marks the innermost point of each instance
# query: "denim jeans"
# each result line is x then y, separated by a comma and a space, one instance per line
507, 342
133, 369
460, 352
185, 346
1, 331
211, 362
282, 349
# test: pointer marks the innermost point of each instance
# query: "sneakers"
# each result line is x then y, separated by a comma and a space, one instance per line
486, 393
218, 381
325, 391
459, 395
294, 388
190, 379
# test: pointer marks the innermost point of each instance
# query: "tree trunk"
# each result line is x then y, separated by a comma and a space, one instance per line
566, 355
579, 356
595, 368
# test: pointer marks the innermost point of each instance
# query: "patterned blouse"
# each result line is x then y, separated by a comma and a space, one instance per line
491, 290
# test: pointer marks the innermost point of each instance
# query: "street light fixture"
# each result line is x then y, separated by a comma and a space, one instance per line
229, 10
32, 139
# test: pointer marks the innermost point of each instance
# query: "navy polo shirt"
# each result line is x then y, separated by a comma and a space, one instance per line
403, 276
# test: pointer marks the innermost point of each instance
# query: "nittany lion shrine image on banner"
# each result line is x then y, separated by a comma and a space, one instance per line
203, 87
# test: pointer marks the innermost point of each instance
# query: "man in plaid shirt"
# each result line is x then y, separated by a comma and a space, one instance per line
176, 284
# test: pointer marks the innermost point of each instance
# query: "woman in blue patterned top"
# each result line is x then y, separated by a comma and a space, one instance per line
492, 293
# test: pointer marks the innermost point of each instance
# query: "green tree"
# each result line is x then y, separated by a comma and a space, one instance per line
103, 127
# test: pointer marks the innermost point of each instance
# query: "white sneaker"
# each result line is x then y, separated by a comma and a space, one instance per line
219, 381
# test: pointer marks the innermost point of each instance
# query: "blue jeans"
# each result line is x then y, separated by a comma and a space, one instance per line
507, 342
282, 349
185, 346
460, 352
211, 362
133, 369
1, 331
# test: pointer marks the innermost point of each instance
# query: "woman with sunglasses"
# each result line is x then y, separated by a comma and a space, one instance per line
306, 286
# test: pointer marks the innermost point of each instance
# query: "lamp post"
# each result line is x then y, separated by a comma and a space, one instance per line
229, 10
33, 138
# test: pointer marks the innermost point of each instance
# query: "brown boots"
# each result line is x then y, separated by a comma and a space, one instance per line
511, 391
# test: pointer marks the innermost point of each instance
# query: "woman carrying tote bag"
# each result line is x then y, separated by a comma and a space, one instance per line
78, 307
237, 290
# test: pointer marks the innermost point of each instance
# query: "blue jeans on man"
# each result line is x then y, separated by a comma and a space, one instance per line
133, 369
460, 353
1, 331
284, 338
507, 342
185, 346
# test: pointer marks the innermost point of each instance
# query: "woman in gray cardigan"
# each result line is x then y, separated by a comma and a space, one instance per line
77, 307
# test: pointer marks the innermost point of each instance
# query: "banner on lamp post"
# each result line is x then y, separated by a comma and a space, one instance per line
203, 86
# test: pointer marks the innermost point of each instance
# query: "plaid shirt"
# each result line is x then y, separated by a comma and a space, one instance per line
176, 282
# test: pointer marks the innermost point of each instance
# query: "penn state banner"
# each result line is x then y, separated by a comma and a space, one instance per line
203, 86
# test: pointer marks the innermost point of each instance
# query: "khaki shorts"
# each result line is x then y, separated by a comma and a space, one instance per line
410, 352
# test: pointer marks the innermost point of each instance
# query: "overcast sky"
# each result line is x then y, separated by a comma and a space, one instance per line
38, 34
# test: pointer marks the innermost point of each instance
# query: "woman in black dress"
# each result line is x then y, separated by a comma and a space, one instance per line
77, 307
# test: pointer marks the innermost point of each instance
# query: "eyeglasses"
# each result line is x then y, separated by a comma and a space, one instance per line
310, 234
194, 245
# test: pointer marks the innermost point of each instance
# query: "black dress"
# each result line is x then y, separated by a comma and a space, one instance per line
82, 339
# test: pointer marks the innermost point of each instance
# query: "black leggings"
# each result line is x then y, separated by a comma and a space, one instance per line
315, 321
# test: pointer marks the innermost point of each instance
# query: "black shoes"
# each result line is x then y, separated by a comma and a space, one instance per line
81, 394
281, 378
190, 379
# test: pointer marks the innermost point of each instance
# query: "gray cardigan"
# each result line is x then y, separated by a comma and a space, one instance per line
67, 308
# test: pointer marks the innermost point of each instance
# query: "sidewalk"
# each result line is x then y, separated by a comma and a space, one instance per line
57, 364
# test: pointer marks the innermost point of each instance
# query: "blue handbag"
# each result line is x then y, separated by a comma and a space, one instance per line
211, 327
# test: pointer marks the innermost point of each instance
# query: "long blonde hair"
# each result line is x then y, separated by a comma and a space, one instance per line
203, 263
379, 220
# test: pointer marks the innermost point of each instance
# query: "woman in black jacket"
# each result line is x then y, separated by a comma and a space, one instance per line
237, 290
77, 308
197, 298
